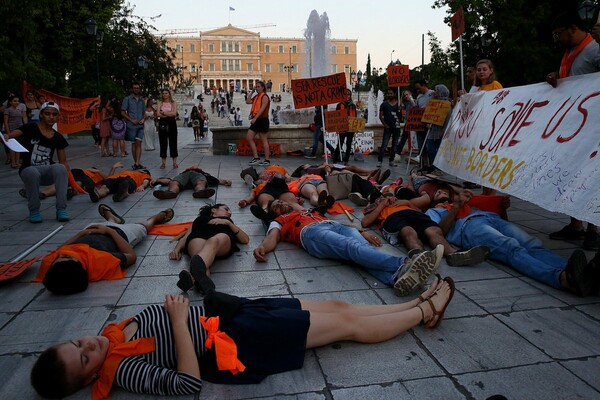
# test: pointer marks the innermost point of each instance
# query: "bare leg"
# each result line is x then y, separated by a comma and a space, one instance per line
200, 185
174, 187
410, 238
217, 246
290, 198
155, 219
264, 138
310, 192
436, 236
250, 138
264, 199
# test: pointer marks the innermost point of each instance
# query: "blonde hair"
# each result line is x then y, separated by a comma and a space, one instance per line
491, 78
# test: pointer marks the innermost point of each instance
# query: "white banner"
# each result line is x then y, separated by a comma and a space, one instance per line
362, 141
535, 142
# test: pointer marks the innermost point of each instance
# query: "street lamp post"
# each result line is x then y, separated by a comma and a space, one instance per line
392, 55
289, 69
143, 65
355, 78
91, 28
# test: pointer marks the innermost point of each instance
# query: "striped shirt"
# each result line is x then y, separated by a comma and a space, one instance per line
156, 372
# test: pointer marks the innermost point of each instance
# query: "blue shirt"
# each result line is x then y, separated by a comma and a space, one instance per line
454, 235
134, 107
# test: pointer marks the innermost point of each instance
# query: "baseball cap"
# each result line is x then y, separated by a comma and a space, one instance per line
50, 104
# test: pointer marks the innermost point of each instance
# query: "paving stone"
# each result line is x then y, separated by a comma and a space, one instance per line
322, 279
422, 389
16, 296
98, 294
298, 258
252, 284
585, 368
149, 290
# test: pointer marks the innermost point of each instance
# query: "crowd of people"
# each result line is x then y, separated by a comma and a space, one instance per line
162, 349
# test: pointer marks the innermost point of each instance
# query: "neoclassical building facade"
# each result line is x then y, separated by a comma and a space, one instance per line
221, 56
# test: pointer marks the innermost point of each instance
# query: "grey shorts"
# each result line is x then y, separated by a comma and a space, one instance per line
315, 182
135, 132
189, 179
135, 232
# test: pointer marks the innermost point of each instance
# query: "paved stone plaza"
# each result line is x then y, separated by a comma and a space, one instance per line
503, 333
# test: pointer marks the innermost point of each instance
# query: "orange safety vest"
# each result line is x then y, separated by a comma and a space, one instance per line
256, 103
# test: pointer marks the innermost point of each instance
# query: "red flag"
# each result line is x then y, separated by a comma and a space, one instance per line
457, 23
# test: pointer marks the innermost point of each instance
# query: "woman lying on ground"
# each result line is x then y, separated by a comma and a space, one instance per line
162, 349
212, 234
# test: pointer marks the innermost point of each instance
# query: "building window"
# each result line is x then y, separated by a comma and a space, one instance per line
223, 65
178, 66
248, 48
294, 49
295, 68
223, 46
250, 67
192, 48
178, 48
237, 47
346, 50
281, 48
282, 87
192, 67
267, 48
281, 67
333, 68
211, 67
230, 46
211, 48
236, 65
333, 49
267, 67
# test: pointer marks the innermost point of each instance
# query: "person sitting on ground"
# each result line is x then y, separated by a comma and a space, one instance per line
324, 238
123, 184
466, 226
403, 220
162, 350
192, 178
38, 167
212, 235
98, 252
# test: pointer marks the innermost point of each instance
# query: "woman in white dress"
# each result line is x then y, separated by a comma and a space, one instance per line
149, 126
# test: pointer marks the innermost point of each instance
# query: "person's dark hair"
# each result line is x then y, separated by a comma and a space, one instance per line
134, 83
206, 211
66, 277
566, 19
441, 200
149, 102
422, 82
49, 376
11, 98
404, 193
116, 106
298, 172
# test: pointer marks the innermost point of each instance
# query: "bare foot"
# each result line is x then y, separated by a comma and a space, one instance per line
440, 301
435, 284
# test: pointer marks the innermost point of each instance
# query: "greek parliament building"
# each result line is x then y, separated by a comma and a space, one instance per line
219, 56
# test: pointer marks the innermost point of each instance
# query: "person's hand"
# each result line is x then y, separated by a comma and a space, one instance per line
242, 203
552, 79
464, 197
96, 229
177, 308
175, 254
259, 254
596, 33
300, 200
374, 240
505, 203
118, 164
461, 92
6, 137
225, 182
219, 221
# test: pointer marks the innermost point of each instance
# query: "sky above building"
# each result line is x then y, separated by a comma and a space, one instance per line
385, 29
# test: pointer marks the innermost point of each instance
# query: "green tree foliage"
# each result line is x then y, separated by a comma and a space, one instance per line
514, 34
45, 43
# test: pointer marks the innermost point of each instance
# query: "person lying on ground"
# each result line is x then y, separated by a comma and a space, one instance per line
403, 221
467, 226
123, 184
324, 238
192, 178
253, 178
265, 193
212, 235
163, 350
98, 252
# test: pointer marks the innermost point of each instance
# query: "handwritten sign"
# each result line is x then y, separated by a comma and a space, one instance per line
534, 142
363, 142
356, 124
319, 91
336, 121
457, 23
413, 123
436, 112
398, 75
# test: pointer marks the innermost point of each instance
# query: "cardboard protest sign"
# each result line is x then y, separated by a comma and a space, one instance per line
336, 121
413, 123
533, 142
457, 23
9, 270
436, 111
398, 75
319, 91
356, 124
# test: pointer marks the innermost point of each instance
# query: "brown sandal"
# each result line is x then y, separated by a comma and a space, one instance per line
439, 314
423, 299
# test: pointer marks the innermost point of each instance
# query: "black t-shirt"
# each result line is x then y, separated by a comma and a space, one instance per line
41, 149
390, 115
105, 243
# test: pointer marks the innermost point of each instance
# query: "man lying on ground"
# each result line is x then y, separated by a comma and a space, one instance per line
192, 178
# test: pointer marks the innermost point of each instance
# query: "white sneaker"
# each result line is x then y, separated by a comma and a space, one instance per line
358, 199
254, 161
418, 270
398, 159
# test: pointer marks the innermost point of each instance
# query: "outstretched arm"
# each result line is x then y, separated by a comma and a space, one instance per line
448, 220
268, 245
177, 308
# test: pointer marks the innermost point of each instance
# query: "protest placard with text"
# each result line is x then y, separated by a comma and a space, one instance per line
413, 123
336, 121
398, 75
356, 124
436, 111
319, 91
534, 142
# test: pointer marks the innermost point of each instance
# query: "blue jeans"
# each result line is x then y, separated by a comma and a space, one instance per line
387, 134
339, 242
515, 247
318, 137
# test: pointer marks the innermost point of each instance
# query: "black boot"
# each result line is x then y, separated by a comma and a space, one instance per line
198, 270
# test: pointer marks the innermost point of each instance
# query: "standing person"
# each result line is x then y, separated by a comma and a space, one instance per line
434, 139
195, 118
167, 128
238, 117
203, 123
32, 107
318, 135
581, 57
389, 115
133, 108
345, 136
471, 77
14, 117
117, 129
485, 80
425, 94
186, 118
38, 168
106, 113
150, 125
259, 123
407, 102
